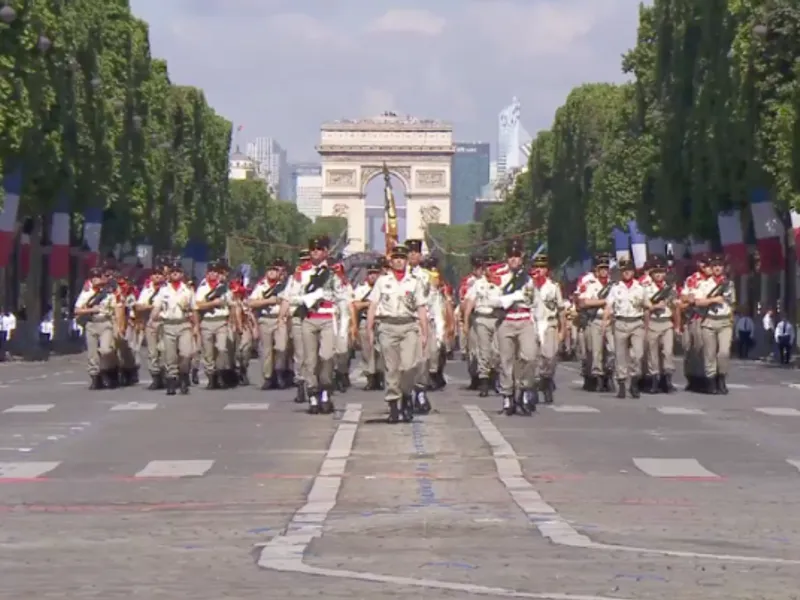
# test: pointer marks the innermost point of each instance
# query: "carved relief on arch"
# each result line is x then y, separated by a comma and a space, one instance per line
430, 214
340, 210
340, 178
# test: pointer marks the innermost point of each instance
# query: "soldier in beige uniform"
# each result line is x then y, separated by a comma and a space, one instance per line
626, 305
214, 302
398, 318
437, 314
692, 339
291, 314
265, 302
517, 341
98, 308
152, 329
551, 324
415, 259
598, 342
715, 300
663, 322
341, 361
469, 341
482, 313
371, 359
127, 346
174, 308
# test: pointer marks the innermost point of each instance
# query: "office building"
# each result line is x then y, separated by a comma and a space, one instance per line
309, 194
297, 170
513, 141
470, 172
271, 165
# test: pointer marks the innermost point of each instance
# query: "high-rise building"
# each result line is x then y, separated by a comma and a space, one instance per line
469, 173
308, 188
271, 165
513, 142
297, 170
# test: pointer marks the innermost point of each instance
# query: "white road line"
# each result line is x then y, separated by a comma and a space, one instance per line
285, 552
679, 410
29, 408
135, 406
552, 525
738, 386
25, 470
573, 408
176, 468
247, 406
795, 462
778, 411
673, 467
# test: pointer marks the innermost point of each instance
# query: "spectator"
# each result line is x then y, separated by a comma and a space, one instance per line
744, 330
784, 338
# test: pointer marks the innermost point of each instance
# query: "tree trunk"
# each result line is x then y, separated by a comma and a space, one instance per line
33, 293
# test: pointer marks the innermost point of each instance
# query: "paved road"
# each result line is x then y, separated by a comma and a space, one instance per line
240, 495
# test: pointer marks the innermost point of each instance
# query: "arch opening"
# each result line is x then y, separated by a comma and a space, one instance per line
374, 200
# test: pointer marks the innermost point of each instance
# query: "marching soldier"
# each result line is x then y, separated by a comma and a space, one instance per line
626, 304
421, 402
550, 324
715, 299
662, 323
469, 341
517, 342
197, 354
265, 302
436, 313
241, 323
99, 309
398, 319
342, 340
593, 292
692, 340
292, 313
152, 329
371, 358
481, 314
127, 355
174, 309
214, 302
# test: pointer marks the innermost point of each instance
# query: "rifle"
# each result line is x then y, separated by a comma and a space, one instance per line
662, 294
102, 294
362, 314
720, 289
590, 314
217, 292
156, 289
519, 279
274, 290
317, 281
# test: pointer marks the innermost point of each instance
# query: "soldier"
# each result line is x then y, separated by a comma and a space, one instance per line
715, 299
421, 402
265, 302
437, 315
97, 307
197, 347
626, 304
598, 343
174, 308
214, 302
371, 358
342, 340
469, 339
662, 323
316, 293
292, 313
127, 355
517, 342
241, 324
397, 317
152, 329
692, 339
550, 324
481, 313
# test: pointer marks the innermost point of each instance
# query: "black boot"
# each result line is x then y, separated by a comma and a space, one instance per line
484, 387
635, 393
283, 381
394, 412
711, 386
653, 387
587, 384
195, 376
547, 387
593, 384
172, 385
266, 385
184, 383
527, 401
474, 383
691, 384
213, 381
302, 393
110, 379
722, 385
313, 402
326, 402
421, 403
666, 384
95, 382
338, 381
440, 380
135, 376
407, 408
346, 381
509, 406
243, 378
157, 383
621, 388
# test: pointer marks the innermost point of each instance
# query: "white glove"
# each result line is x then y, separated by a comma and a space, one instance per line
311, 299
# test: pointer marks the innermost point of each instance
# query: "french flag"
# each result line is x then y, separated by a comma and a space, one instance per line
732, 239
12, 183
25, 248
657, 246
638, 245
200, 256
187, 261
621, 244
769, 232
796, 231
59, 236
92, 229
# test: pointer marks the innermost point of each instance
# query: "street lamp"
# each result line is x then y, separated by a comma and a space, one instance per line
7, 14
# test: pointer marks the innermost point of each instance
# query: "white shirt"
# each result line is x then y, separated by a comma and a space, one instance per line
175, 304
768, 322
215, 313
784, 328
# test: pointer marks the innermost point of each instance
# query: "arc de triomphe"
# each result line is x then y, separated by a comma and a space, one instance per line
418, 152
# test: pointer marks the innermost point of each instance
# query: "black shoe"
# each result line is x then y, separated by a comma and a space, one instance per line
421, 403
134, 376
722, 385
172, 385
509, 406
666, 384
394, 412
526, 403
338, 381
313, 402
110, 379
326, 403
621, 389
635, 393
195, 376
213, 381
184, 383
266, 385
587, 384
346, 381
710, 386
95, 382
301, 397
474, 383
381, 380
691, 384
407, 408
283, 381
654, 387
157, 383
548, 387
484, 388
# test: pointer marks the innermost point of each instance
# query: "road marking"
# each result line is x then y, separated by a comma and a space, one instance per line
29, 408
795, 462
679, 410
247, 406
176, 468
135, 406
25, 470
673, 468
778, 411
573, 408
738, 386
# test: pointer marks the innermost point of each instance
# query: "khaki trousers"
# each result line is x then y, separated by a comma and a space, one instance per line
692, 342
485, 332
599, 349
660, 348
100, 346
548, 352
216, 345
298, 355
371, 358
628, 348
274, 342
519, 355
178, 348
152, 336
717, 335
318, 353
399, 343
126, 354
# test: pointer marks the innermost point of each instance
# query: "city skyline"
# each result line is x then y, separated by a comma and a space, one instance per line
459, 63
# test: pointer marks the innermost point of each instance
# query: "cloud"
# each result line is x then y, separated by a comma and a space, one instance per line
420, 22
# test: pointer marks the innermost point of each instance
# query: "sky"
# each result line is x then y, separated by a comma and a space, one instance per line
281, 68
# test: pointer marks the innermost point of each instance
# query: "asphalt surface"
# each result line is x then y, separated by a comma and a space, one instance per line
240, 495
